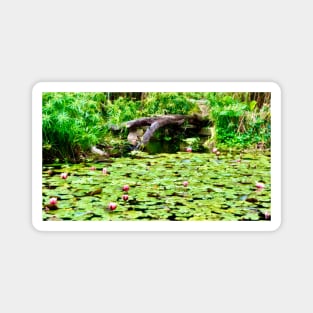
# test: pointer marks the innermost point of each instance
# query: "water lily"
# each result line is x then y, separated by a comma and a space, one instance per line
53, 201
217, 153
259, 185
189, 149
63, 175
125, 188
214, 150
165, 186
112, 206
104, 171
92, 168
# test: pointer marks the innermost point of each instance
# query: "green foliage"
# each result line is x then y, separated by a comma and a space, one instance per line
237, 122
71, 122
122, 110
193, 142
167, 103
156, 103
195, 95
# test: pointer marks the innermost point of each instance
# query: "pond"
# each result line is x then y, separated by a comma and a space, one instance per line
177, 187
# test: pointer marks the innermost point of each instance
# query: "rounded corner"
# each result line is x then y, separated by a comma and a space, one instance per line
276, 87
37, 226
276, 225
37, 87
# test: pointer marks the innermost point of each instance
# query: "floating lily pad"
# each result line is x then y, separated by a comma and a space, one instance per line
216, 190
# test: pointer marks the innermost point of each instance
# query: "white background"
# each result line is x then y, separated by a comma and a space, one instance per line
155, 41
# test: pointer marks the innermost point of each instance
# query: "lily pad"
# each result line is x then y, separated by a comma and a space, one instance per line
216, 189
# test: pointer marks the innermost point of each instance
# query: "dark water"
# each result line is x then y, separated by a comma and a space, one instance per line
156, 147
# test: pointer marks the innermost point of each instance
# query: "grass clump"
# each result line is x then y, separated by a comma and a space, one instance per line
71, 124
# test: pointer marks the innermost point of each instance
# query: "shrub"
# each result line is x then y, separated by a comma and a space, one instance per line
167, 103
239, 121
71, 123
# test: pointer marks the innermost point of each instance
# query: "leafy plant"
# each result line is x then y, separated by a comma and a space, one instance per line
194, 143
71, 123
239, 121
167, 103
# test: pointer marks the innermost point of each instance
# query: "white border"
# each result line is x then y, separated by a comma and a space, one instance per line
41, 87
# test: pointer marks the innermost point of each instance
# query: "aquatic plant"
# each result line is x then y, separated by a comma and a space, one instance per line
259, 185
53, 201
125, 188
217, 189
112, 206
63, 175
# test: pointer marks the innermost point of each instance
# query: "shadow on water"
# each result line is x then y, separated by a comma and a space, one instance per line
156, 147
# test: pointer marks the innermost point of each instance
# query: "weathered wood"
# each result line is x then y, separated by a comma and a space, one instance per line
157, 122
156, 125
146, 121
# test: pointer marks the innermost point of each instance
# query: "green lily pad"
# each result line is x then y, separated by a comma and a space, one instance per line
216, 190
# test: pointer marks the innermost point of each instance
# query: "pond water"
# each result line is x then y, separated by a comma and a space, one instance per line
219, 188
157, 146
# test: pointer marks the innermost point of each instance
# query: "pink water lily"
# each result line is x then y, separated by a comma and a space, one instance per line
112, 206
214, 150
53, 201
63, 175
104, 171
92, 168
189, 149
125, 197
259, 185
185, 183
125, 188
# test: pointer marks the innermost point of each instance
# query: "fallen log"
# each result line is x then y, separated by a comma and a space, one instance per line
157, 122
156, 125
146, 121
